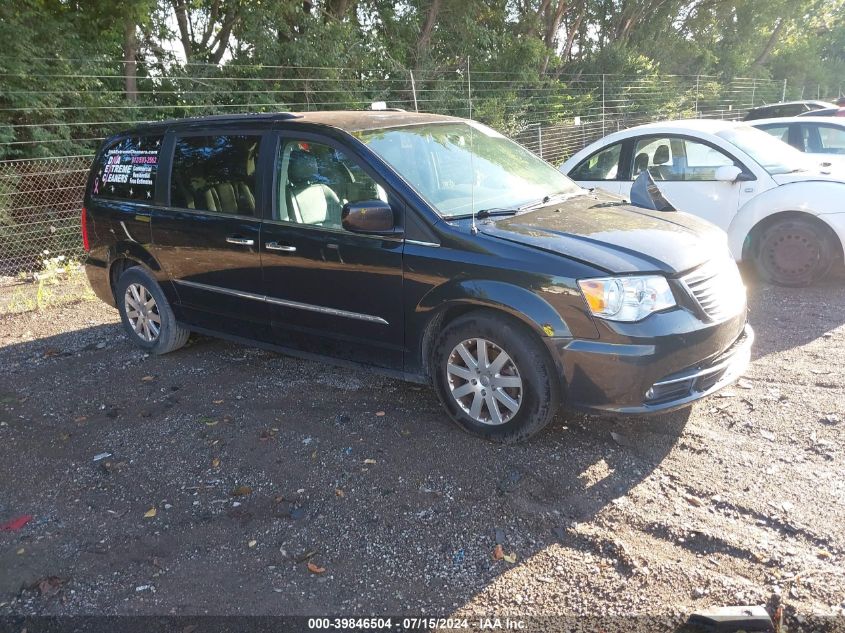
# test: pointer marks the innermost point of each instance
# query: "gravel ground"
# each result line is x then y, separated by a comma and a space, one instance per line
229, 471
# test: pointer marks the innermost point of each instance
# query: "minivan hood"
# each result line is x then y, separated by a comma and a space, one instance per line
602, 230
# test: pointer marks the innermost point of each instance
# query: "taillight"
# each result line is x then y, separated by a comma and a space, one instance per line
84, 223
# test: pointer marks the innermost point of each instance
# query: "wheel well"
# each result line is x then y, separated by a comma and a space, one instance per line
117, 268
750, 245
445, 316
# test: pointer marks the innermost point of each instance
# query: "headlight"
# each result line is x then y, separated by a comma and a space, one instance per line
627, 298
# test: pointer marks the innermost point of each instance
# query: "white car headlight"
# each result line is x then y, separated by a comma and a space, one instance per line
627, 298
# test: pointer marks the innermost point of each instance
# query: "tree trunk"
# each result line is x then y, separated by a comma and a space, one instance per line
181, 10
571, 35
763, 57
424, 41
130, 57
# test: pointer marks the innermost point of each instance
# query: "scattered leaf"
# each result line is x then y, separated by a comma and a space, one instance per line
148, 378
149, 514
510, 558
369, 461
252, 543
215, 463
823, 553
694, 501
50, 585
338, 492
380, 414
241, 491
80, 419
208, 421
20, 552
315, 569
498, 552
217, 401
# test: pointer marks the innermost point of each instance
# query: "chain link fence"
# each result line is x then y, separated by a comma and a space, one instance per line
45, 153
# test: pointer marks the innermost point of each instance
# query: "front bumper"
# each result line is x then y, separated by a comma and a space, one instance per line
639, 379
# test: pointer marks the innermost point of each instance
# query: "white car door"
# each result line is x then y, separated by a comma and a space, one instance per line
600, 170
684, 169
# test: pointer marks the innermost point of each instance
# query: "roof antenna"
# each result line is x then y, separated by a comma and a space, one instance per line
473, 228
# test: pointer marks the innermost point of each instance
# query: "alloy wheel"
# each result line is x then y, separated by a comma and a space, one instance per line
484, 381
142, 312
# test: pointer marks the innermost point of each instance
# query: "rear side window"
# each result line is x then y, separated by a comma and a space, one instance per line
215, 173
127, 169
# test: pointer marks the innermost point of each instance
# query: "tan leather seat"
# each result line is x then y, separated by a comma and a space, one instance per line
311, 201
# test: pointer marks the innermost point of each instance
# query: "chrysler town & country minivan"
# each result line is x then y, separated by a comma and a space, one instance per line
428, 247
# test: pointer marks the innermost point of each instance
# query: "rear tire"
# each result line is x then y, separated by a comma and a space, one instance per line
793, 253
146, 315
500, 398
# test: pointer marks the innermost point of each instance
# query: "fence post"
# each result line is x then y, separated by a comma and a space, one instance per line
783, 96
414, 90
753, 89
602, 102
540, 138
697, 80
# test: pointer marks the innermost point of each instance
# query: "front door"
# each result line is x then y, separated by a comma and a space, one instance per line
207, 237
684, 170
328, 290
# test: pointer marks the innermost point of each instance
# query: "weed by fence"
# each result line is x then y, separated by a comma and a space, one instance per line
45, 152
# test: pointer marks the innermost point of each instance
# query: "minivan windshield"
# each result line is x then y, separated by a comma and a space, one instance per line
773, 155
464, 167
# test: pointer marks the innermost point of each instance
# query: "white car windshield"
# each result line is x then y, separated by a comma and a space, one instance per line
466, 167
773, 155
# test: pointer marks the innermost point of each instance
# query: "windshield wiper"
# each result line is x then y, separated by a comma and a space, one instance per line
486, 213
559, 196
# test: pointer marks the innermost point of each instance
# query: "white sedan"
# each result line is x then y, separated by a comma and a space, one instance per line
820, 137
781, 210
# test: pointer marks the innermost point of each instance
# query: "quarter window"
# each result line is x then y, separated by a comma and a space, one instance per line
127, 169
215, 173
678, 159
603, 165
316, 180
823, 139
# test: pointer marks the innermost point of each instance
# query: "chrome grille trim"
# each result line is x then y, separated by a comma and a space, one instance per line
717, 288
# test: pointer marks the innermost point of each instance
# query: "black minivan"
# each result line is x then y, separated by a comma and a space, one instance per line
425, 246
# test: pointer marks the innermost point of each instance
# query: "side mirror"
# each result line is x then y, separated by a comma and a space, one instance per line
728, 173
370, 216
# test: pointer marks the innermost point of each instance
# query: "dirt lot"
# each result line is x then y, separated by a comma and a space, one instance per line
255, 465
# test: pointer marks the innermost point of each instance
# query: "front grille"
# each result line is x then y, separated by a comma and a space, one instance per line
717, 289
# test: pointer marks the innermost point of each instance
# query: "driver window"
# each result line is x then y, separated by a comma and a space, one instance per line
602, 165
678, 159
316, 180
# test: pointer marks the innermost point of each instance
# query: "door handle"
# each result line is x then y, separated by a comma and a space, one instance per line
275, 246
241, 241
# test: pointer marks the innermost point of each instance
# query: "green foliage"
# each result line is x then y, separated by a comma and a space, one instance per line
63, 85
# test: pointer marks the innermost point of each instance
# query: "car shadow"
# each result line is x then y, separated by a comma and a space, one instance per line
785, 318
262, 463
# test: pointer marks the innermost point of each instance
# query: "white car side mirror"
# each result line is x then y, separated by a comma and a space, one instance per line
728, 173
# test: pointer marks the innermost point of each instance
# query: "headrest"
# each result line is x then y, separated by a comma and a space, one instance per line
303, 167
661, 155
641, 161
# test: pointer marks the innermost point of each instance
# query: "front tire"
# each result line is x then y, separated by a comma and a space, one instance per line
494, 378
793, 253
146, 315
